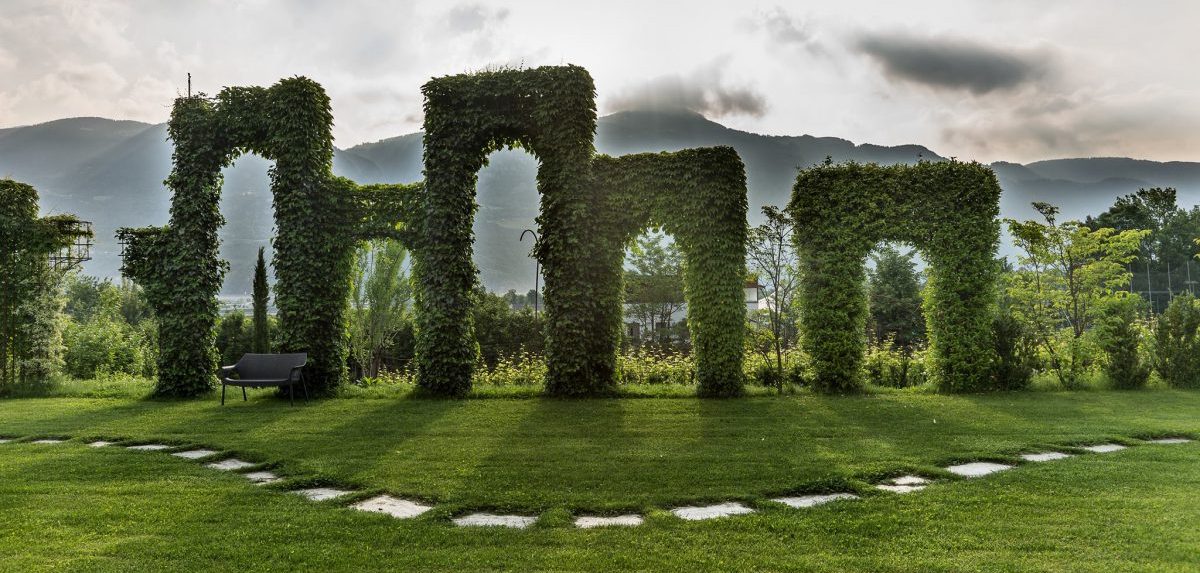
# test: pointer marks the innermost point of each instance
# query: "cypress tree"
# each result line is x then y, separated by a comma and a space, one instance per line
262, 292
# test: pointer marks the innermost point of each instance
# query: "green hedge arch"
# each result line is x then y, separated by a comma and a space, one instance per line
948, 210
550, 112
699, 197
319, 219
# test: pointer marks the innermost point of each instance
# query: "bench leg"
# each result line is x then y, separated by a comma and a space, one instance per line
222, 393
304, 385
243, 393
292, 393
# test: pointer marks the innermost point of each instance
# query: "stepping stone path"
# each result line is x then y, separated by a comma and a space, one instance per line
977, 469
813, 500
321, 493
903, 484
150, 447
1045, 456
697, 513
405, 509
493, 520
393, 506
590, 521
1104, 448
229, 465
262, 478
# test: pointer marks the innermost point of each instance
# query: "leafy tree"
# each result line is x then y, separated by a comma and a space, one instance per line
261, 296
894, 292
380, 297
1068, 274
502, 332
1120, 336
1177, 343
771, 253
234, 337
654, 288
106, 342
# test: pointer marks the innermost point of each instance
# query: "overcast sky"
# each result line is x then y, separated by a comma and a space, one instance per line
985, 80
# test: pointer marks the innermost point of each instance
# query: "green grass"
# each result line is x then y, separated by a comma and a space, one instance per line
70, 507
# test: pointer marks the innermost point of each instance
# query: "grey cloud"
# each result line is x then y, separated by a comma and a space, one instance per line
954, 64
783, 28
704, 90
466, 18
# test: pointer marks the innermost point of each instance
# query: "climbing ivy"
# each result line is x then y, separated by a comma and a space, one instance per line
30, 339
948, 210
551, 112
699, 197
317, 217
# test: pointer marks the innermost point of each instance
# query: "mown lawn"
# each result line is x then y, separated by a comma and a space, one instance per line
71, 507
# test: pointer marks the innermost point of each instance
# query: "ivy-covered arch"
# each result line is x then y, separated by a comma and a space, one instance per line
948, 210
551, 112
318, 219
699, 197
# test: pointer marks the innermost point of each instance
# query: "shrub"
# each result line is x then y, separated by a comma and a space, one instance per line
887, 365
1177, 349
1120, 335
1015, 353
235, 337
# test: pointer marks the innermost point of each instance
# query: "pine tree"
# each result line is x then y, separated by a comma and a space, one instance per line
262, 292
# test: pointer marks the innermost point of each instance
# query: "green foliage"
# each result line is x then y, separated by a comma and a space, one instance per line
771, 255
261, 296
654, 288
1120, 336
379, 302
888, 364
235, 337
1069, 274
591, 208
104, 342
501, 332
319, 219
1015, 353
551, 112
1177, 343
698, 196
948, 211
894, 299
30, 334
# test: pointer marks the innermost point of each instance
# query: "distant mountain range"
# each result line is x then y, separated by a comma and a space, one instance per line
111, 172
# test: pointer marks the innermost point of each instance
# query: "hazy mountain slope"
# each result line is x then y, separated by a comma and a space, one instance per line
111, 172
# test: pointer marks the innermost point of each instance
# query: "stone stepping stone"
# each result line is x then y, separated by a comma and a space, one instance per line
804, 501
1104, 448
150, 447
903, 484
262, 478
48, 441
393, 506
100, 444
977, 469
590, 521
493, 520
229, 465
696, 513
4, 440
1045, 456
321, 493
194, 454
1169, 441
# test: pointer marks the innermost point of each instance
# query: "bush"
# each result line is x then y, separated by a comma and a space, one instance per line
1120, 335
1015, 353
886, 365
108, 345
1176, 347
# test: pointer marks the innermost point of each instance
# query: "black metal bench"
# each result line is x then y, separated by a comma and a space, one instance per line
266, 371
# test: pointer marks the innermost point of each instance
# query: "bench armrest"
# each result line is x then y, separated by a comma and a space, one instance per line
227, 370
296, 374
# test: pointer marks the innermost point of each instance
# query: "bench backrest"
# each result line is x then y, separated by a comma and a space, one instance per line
269, 366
